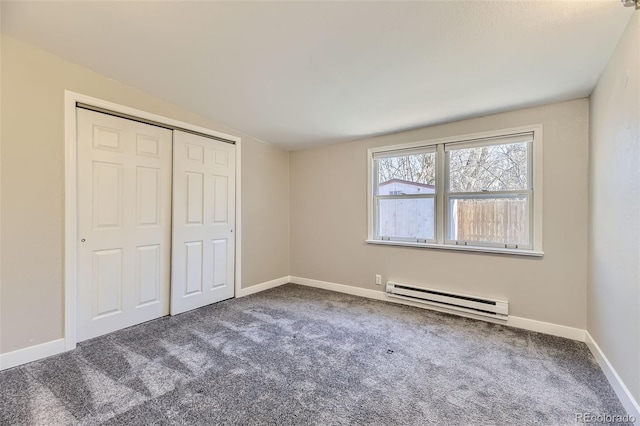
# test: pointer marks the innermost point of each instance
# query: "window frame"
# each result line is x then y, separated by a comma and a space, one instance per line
377, 197
442, 196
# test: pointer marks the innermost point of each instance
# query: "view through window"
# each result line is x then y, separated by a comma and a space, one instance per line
486, 193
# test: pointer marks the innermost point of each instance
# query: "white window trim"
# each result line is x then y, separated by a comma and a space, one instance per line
535, 199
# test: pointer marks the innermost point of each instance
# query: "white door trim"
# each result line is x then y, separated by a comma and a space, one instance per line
70, 196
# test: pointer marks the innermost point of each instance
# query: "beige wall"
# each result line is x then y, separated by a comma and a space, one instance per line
614, 205
32, 157
329, 226
265, 206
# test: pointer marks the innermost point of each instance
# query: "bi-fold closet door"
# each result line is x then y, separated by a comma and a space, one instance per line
156, 211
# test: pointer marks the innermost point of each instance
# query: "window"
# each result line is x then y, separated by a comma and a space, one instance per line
476, 193
405, 194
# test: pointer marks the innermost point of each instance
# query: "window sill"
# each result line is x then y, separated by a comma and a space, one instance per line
515, 252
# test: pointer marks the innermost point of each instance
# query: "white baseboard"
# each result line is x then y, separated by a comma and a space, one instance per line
32, 353
340, 288
547, 328
263, 286
627, 400
518, 322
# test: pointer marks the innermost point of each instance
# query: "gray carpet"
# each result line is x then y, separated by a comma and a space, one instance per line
298, 355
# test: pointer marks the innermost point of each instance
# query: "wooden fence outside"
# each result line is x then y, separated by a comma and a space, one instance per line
500, 221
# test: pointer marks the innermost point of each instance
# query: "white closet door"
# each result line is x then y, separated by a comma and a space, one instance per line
203, 246
124, 223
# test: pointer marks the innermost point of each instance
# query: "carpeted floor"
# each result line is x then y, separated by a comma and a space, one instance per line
298, 355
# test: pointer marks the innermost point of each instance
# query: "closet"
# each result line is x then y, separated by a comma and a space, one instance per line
156, 216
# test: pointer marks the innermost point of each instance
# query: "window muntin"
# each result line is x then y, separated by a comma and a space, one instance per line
480, 193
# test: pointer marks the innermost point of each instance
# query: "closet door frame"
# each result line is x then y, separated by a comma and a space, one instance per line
71, 238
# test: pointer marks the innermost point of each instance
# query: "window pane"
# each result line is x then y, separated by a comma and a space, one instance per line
408, 174
406, 218
490, 220
489, 168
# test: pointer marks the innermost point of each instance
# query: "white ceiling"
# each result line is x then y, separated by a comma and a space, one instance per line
298, 74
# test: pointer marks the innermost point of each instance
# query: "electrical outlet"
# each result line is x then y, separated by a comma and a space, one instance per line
378, 279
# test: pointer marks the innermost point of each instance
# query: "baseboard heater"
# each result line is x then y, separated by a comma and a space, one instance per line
470, 304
